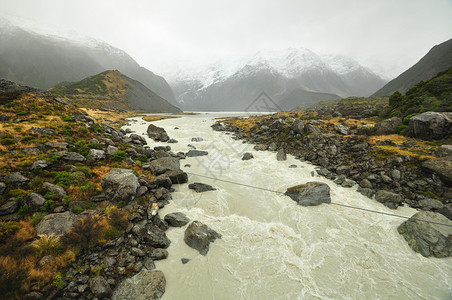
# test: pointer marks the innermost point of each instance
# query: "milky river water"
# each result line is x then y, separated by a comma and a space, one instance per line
272, 248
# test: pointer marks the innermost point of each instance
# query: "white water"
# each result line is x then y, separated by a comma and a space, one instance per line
272, 248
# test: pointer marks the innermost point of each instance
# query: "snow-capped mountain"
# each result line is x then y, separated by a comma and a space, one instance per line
290, 76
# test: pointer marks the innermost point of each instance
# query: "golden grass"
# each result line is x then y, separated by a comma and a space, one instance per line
152, 118
102, 116
394, 150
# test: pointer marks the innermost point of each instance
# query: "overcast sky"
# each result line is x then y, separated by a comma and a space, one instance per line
386, 35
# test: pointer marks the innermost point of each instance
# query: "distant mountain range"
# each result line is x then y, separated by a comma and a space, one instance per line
290, 77
43, 61
113, 90
438, 59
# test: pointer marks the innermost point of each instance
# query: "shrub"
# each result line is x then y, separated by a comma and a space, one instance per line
48, 245
8, 229
49, 205
67, 179
86, 233
402, 129
18, 193
117, 218
119, 156
67, 119
12, 277
37, 217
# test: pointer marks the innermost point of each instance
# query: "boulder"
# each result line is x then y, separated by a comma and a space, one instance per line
176, 219
146, 285
312, 129
444, 150
199, 236
162, 180
194, 153
157, 133
96, 154
341, 129
197, 139
388, 126
55, 145
111, 149
9, 208
177, 177
161, 165
120, 185
16, 179
138, 139
427, 238
57, 224
247, 156
310, 194
156, 237
201, 187
34, 201
43, 130
70, 156
99, 287
441, 167
281, 155
158, 254
42, 164
389, 199
298, 126
431, 125
55, 189
446, 211
430, 204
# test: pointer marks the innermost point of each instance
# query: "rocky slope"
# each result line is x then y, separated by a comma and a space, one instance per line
42, 61
113, 90
438, 59
290, 77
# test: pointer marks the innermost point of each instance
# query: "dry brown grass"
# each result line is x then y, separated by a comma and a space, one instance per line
152, 118
102, 116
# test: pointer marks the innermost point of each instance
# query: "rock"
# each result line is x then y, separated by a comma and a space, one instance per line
156, 237
159, 254
388, 126
70, 156
347, 183
446, 211
33, 296
197, 139
199, 236
298, 126
16, 179
176, 219
247, 156
293, 166
310, 194
111, 150
2, 188
9, 208
157, 133
281, 155
137, 252
138, 139
396, 175
444, 150
161, 165
368, 192
184, 260
120, 185
44, 130
57, 224
4, 118
162, 180
177, 177
55, 189
99, 287
201, 187
146, 285
56, 145
365, 183
426, 238
34, 200
431, 125
389, 199
95, 154
172, 141
149, 264
46, 260
441, 167
312, 129
430, 204
42, 164
194, 153
341, 129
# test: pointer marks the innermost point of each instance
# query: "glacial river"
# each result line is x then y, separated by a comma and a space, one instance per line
272, 248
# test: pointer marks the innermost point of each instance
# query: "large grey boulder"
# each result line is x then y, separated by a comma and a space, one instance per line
444, 150
55, 189
441, 167
388, 126
431, 125
34, 201
199, 236
200, 187
341, 129
389, 199
57, 224
310, 194
427, 238
16, 179
162, 180
157, 133
120, 185
177, 177
146, 285
100, 287
298, 126
161, 165
176, 219
96, 154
